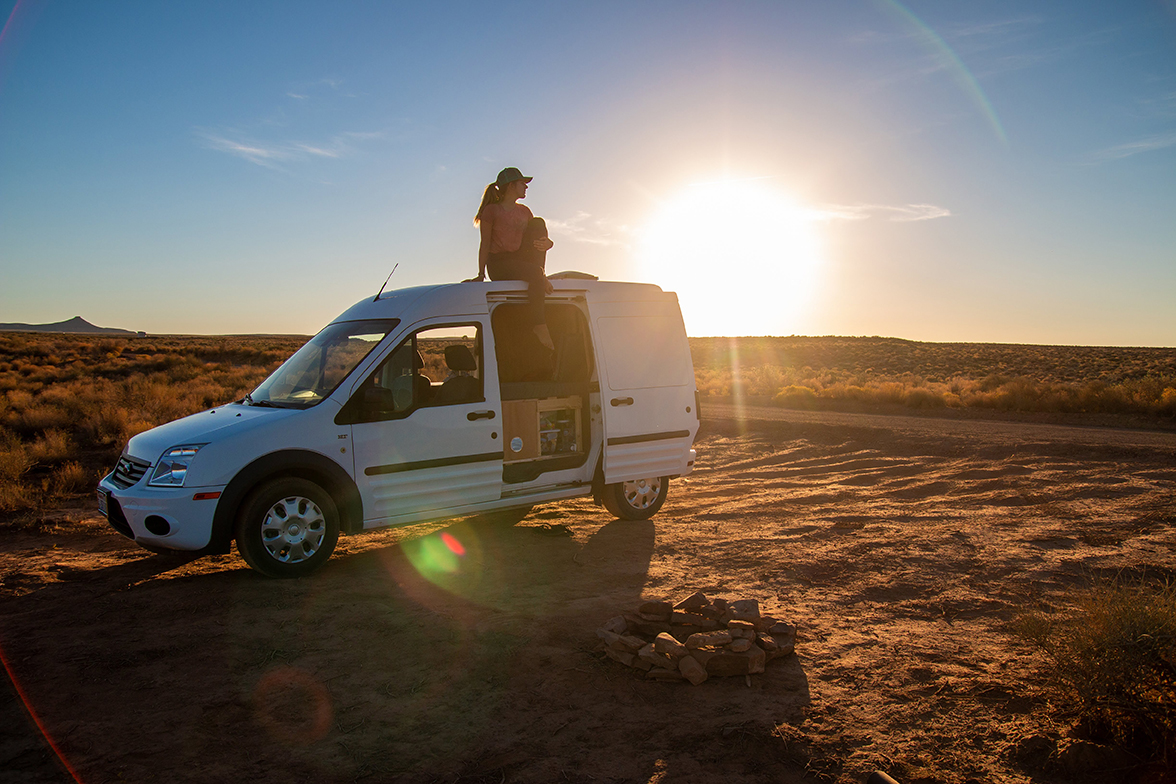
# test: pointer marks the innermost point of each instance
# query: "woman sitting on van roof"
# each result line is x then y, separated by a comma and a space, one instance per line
514, 243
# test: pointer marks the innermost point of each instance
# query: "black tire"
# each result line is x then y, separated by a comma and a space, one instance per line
636, 500
287, 527
503, 518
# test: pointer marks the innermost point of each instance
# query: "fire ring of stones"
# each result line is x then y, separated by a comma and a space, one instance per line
697, 638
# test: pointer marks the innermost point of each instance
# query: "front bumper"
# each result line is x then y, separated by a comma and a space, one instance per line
188, 522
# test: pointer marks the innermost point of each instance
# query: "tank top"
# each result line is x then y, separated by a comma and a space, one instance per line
506, 226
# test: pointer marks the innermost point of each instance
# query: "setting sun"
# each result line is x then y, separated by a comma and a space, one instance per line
742, 256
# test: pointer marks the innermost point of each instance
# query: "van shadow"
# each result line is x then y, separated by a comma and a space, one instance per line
465, 653
396, 661
480, 573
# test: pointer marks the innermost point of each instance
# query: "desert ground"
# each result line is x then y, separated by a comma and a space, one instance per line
902, 548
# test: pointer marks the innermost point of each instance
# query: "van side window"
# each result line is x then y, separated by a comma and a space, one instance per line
438, 366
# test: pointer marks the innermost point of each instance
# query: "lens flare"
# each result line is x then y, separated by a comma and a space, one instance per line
432, 555
20, 692
451, 542
946, 55
454, 559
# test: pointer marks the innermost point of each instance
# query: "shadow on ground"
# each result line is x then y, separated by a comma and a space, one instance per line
467, 652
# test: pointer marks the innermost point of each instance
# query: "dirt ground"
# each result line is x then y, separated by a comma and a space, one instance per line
900, 547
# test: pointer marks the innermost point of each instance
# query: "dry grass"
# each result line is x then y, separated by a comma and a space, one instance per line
1114, 664
838, 373
68, 403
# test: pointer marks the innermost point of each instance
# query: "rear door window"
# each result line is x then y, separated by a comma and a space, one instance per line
644, 352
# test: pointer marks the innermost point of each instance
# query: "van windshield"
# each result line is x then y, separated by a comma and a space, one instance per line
320, 365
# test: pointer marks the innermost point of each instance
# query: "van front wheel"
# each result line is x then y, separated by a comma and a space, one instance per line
636, 500
287, 528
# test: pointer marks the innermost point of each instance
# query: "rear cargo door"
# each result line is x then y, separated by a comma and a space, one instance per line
647, 388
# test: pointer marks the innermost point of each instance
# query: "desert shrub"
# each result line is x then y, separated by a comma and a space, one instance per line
15, 497
15, 461
764, 380
992, 382
71, 478
793, 396
38, 418
1166, 404
19, 399
110, 348
888, 392
922, 397
50, 447
1114, 661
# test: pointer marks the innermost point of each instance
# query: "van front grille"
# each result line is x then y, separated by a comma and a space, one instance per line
128, 472
116, 518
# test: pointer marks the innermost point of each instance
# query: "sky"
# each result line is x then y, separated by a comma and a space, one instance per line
941, 171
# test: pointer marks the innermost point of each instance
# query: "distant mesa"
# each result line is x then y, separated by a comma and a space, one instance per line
77, 324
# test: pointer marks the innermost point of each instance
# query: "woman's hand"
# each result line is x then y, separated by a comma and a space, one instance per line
544, 244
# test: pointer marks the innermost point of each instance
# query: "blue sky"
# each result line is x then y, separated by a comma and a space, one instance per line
979, 171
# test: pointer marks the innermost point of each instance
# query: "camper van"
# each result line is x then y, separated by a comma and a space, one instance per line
423, 404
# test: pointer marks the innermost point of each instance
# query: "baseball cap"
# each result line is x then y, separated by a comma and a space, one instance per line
509, 175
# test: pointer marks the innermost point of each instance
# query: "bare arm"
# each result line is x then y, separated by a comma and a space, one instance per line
485, 227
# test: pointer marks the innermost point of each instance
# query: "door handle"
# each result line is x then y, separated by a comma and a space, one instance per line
479, 415
621, 401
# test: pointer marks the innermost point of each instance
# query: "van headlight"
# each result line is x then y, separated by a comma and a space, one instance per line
173, 466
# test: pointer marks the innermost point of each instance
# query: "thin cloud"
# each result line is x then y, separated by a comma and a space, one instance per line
1159, 106
315, 89
1147, 144
907, 213
999, 29
252, 152
582, 227
270, 154
321, 152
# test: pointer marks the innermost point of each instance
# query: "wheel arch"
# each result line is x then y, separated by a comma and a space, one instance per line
300, 463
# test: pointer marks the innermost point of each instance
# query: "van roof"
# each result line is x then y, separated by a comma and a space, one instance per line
466, 298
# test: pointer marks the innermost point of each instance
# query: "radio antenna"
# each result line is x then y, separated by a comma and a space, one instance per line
381, 291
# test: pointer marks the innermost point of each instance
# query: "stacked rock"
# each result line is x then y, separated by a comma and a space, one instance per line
697, 638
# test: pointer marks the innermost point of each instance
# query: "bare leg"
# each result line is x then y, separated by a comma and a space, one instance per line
544, 336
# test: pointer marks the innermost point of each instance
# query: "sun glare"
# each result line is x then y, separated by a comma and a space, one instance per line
742, 257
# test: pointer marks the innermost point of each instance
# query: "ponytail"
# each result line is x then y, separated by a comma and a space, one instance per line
492, 196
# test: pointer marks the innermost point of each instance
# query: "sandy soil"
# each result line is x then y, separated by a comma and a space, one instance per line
901, 547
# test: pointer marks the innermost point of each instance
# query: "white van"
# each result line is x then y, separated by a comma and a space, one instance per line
424, 404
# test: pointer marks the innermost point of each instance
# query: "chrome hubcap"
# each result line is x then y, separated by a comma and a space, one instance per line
641, 493
293, 529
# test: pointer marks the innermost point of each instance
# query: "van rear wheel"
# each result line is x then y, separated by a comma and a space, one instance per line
287, 528
636, 500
